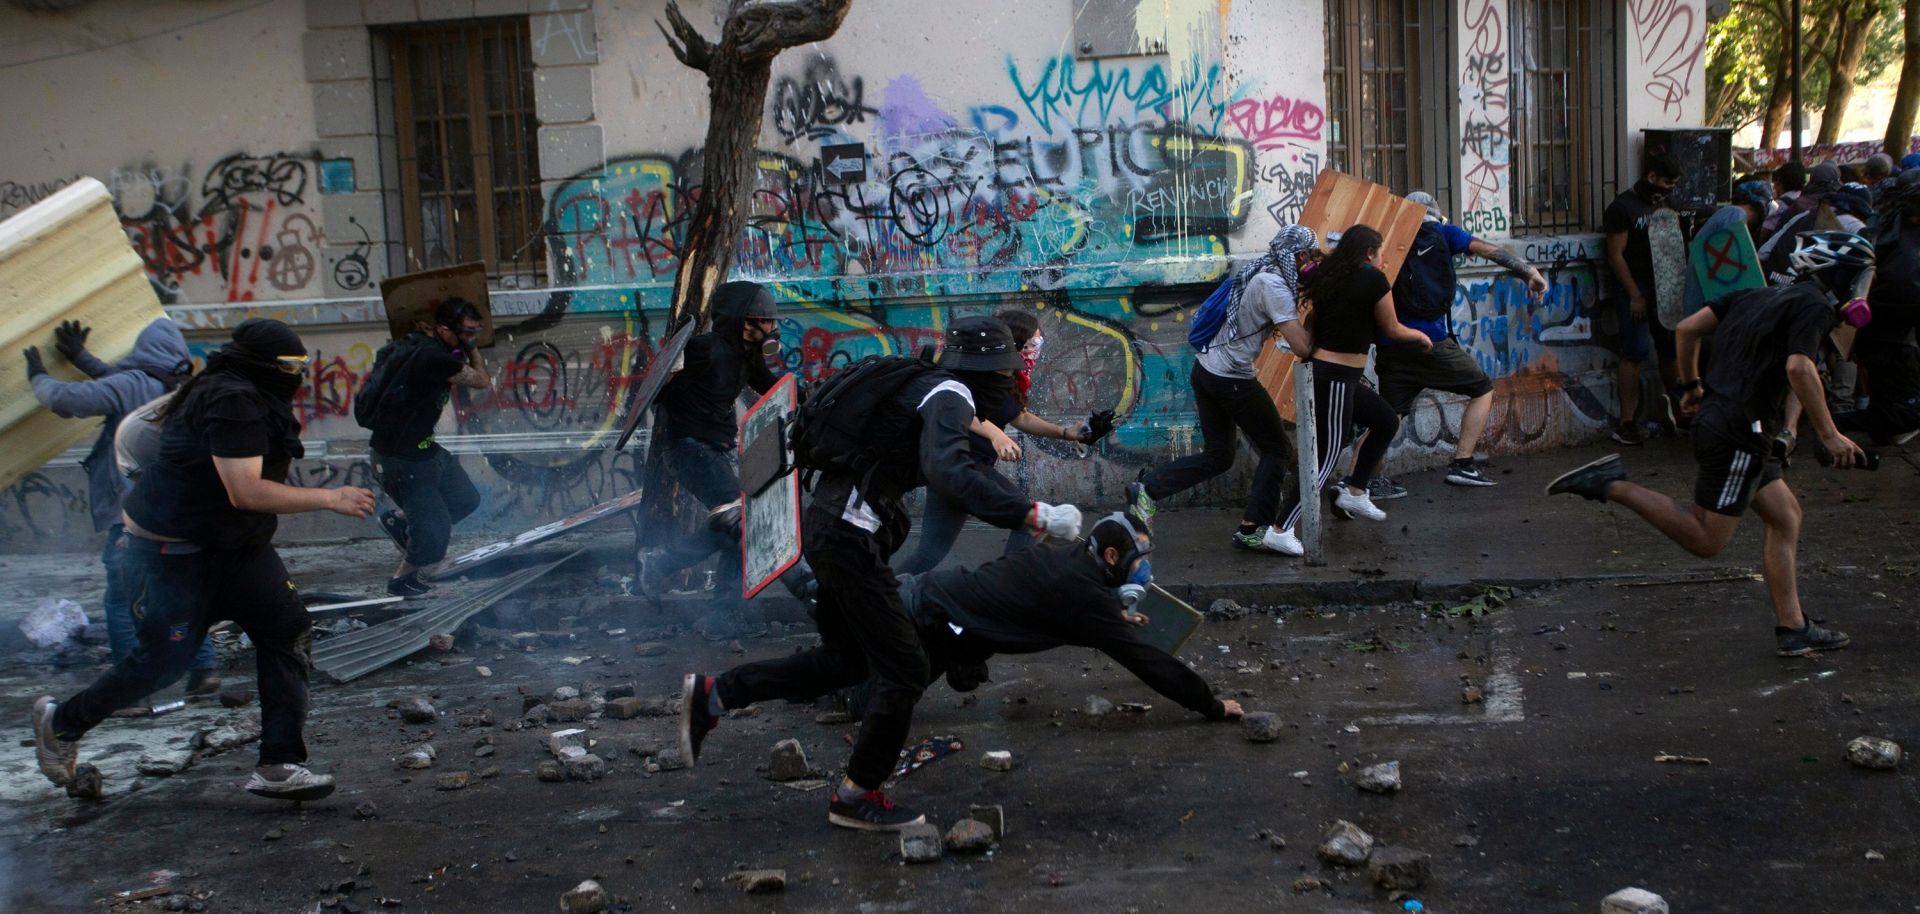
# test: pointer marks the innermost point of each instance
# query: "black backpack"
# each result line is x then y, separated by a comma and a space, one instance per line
386, 383
1424, 289
834, 428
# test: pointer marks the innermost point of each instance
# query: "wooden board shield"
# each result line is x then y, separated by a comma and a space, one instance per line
1340, 202
412, 298
461, 564
1724, 258
1170, 621
1669, 265
653, 379
64, 258
770, 517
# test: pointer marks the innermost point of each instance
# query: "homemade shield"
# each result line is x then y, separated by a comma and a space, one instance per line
769, 489
664, 363
1670, 271
412, 298
461, 564
1170, 621
64, 258
1723, 256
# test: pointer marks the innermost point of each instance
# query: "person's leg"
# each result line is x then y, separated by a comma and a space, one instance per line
414, 486
256, 594
169, 597
1780, 511
1371, 412
1473, 424
1216, 436
939, 527
1635, 346
1697, 530
1332, 420
1253, 412
120, 629
1726, 480
457, 491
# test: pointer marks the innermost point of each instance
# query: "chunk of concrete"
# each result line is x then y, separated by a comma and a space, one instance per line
1381, 778
87, 782
586, 898
587, 767
1874, 752
1633, 901
1399, 868
1096, 707
1345, 844
577, 709
626, 708
418, 711
997, 760
1260, 726
418, 757
550, 772
969, 836
920, 843
165, 762
454, 780
565, 743
228, 736
994, 816
788, 762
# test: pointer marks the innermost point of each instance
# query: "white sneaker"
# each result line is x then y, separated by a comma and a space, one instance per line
289, 782
1283, 542
1360, 505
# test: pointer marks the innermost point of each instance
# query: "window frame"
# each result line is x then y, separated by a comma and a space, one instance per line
1429, 156
1589, 107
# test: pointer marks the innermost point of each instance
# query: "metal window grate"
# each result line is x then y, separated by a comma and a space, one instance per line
1376, 52
1558, 69
469, 166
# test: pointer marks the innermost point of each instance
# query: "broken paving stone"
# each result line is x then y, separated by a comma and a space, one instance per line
366, 810
969, 836
1633, 901
759, 882
564, 693
649, 648
228, 736
1097, 707
671, 761
1399, 868
587, 767
994, 816
567, 743
1381, 778
87, 782
997, 760
577, 709
626, 708
483, 671
482, 751
440, 642
454, 780
488, 773
788, 762
236, 698
1273, 838
418, 711
1874, 752
550, 772
165, 762
1226, 611
1345, 844
274, 834
1471, 695
418, 757
1260, 726
586, 898
920, 843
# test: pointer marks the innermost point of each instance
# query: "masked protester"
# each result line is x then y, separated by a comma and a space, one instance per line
696, 421
158, 364
853, 525
200, 523
1765, 343
1630, 261
405, 394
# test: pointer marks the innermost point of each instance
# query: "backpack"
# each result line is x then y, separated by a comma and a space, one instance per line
834, 430
1215, 312
1424, 289
369, 405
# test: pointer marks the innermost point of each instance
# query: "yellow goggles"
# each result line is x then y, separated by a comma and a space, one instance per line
292, 364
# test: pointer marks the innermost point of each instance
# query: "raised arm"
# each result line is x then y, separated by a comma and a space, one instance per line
1161, 671
1536, 284
248, 492
945, 415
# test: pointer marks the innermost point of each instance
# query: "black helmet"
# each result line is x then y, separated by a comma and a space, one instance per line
979, 344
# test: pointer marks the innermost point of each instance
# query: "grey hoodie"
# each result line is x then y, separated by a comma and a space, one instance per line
158, 363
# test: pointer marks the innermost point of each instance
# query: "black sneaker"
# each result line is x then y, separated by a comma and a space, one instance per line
1464, 473
1628, 434
395, 524
871, 811
1139, 504
1381, 488
1811, 637
696, 721
1590, 481
408, 585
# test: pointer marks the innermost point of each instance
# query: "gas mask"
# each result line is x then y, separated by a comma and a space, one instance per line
1123, 572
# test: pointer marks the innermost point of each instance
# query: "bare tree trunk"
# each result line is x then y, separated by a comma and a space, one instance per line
1774, 120
1855, 22
1907, 99
738, 70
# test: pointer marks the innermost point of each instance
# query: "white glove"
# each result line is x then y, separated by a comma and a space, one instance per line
1056, 520
1131, 595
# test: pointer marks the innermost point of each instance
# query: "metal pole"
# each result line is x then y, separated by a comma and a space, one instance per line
1793, 43
1308, 449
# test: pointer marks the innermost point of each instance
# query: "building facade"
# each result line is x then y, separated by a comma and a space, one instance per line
1099, 161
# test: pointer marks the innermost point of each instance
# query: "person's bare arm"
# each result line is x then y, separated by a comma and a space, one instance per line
1617, 259
248, 492
1536, 283
1804, 376
1041, 428
1004, 447
475, 373
1297, 337
1389, 322
1687, 338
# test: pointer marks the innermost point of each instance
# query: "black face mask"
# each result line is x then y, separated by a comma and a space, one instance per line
991, 390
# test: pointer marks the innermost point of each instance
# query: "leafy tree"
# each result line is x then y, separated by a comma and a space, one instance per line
1844, 43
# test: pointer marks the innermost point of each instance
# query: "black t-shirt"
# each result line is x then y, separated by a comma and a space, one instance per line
179, 494
409, 433
1759, 329
1895, 294
1628, 213
1342, 316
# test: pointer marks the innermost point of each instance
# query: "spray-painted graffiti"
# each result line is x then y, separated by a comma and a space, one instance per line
1066, 92
819, 102
16, 196
1671, 36
1274, 123
246, 229
1485, 153
1290, 176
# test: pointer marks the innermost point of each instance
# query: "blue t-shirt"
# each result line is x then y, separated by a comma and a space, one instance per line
1458, 240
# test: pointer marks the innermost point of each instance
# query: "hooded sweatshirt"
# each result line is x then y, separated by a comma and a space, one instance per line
699, 401
158, 363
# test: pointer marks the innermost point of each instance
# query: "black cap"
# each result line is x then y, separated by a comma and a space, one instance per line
267, 338
979, 344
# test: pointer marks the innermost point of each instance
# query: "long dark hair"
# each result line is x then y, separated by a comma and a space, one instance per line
1349, 257
1024, 325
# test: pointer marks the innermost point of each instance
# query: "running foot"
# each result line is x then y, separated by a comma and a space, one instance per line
1906, 436
1462, 472
408, 585
1284, 542
696, 714
1359, 505
1810, 637
202, 682
57, 756
871, 811
289, 782
1628, 434
1139, 504
1259, 540
1590, 481
1663, 417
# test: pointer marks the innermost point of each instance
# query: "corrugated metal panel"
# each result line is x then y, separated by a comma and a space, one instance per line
63, 258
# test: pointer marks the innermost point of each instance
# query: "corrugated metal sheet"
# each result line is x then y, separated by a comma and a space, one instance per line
64, 258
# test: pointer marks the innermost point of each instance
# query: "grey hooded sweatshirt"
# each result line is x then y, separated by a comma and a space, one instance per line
158, 363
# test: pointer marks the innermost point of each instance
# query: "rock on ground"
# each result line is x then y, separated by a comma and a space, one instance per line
1381, 778
586, 898
228, 736
550, 772
1345, 844
236, 698
1633, 901
454, 780
418, 711
1399, 868
995, 817
997, 760
760, 882
968, 836
1097, 707
165, 762
788, 762
418, 757
1226, 611
87, 782
1874, 752
587, 767
920, 843
626, 708
1261, 726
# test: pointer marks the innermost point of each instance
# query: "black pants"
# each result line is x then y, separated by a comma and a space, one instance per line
176, 592
707, 472
1226, 404
435, 494
1341, 399
1894, 370
865, 631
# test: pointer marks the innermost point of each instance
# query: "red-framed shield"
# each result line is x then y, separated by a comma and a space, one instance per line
769, 490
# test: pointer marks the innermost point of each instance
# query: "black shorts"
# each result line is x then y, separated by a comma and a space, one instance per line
1729, 474
1405, 371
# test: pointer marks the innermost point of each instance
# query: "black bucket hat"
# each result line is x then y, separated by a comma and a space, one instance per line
979, 344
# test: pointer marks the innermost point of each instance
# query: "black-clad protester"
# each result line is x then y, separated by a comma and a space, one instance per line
853, 525
200, 524
406, 392
696, 421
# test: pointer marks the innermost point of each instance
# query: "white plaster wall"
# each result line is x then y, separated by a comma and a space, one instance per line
1664, 71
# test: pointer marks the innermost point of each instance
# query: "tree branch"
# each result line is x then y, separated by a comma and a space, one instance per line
692, 48
762, 31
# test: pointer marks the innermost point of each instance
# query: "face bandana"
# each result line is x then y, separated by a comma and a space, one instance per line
1029, 356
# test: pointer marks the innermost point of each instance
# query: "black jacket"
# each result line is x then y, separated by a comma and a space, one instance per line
699, 401
1047, 596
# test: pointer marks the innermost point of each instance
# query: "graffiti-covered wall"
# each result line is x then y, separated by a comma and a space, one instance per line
925, 163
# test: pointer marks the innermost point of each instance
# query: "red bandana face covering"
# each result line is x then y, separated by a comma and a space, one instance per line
1029, 356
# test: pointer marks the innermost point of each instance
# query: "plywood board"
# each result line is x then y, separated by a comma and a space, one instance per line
770, 524
412, 298
1669, 248
64, 258
1340, 202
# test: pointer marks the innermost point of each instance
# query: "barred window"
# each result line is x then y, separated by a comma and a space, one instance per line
1377, 55
1562, 146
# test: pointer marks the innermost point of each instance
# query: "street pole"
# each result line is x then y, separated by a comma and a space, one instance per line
1793, 43
1307, 447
